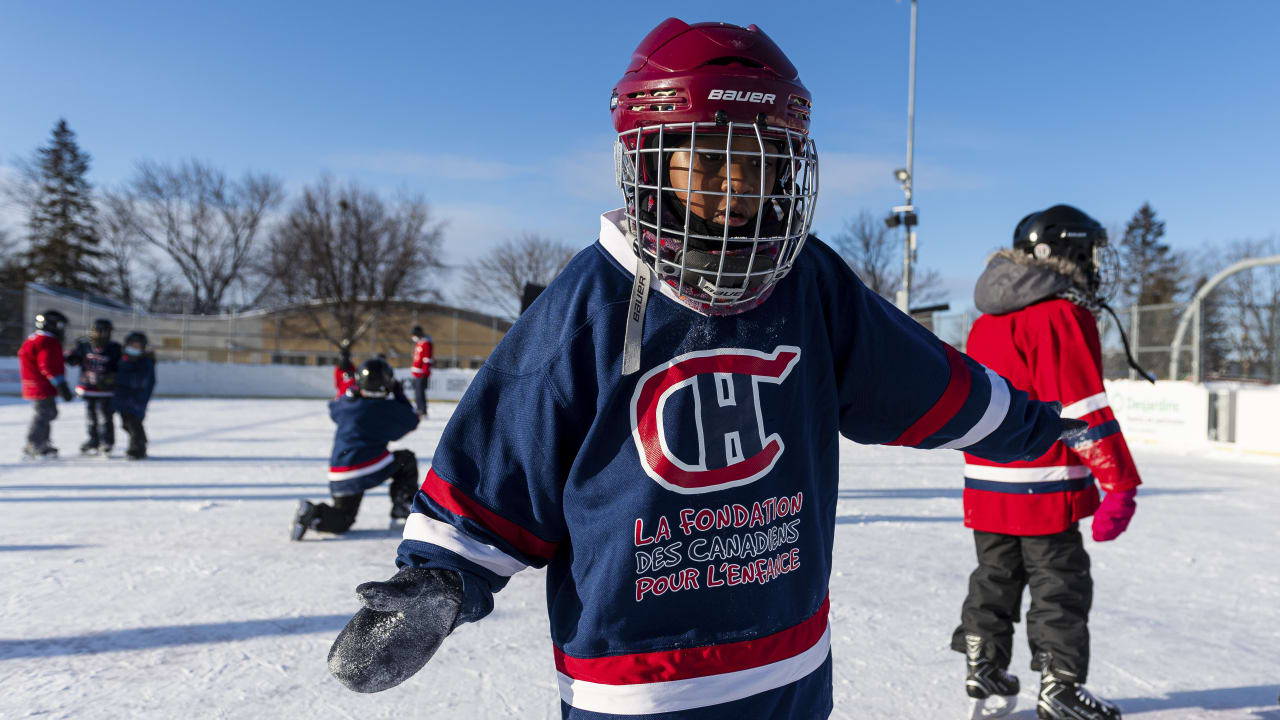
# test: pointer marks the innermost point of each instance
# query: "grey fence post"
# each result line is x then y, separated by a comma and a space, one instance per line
1195, 344
1135, 313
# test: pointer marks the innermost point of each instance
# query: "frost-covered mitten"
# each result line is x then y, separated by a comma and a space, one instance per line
401, 625
1072, 428
1114, 514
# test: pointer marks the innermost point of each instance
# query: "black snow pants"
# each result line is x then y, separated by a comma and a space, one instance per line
420, 395
99, 421
1056, 569
45, 410
132, 424
338, 517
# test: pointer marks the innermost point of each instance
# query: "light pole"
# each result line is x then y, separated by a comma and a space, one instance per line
905, 215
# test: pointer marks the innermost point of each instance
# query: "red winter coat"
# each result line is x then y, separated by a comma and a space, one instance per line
40, 362
422, 359
343, 378
1050, 349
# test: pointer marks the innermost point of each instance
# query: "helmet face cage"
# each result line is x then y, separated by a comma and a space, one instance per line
100, 332
718, 269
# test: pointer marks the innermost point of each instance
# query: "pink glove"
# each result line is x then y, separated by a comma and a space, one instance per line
1114, 514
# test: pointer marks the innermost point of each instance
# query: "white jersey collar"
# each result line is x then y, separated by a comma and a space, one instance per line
615, 240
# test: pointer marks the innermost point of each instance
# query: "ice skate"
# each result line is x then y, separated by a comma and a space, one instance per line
303, 518
32, 452
992, 691
1062, 699
105, 450
89, 448
400, 514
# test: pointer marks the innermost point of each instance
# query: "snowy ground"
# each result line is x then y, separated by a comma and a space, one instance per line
169, 588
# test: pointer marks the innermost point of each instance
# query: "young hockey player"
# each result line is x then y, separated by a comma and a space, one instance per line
659, 428
370, 414
344, 373
1039, 331
98, 358
421, 368
135, 382
42, 369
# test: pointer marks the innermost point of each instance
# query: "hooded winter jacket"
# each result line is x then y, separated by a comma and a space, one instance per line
1049, 347
41, 366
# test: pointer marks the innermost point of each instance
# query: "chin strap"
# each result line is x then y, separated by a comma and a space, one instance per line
635, 317
1124, 339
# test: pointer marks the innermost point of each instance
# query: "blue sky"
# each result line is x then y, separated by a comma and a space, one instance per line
497, 113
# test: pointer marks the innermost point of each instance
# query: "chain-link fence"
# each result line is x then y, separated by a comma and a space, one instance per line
287, 336
14, 322
1222, 342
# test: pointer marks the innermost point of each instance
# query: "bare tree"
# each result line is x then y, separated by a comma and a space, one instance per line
13, 264
207, 224
121, 243
1248, 305
347, 254
875, 254
496, 280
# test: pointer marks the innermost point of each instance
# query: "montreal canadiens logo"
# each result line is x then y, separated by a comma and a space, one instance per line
709, 402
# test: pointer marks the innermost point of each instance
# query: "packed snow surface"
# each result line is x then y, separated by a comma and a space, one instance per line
169, 588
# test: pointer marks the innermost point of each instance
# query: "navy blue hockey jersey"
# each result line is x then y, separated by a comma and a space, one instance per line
98, 367
360, 459
686, 512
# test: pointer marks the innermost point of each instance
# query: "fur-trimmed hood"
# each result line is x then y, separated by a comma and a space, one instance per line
1014, 280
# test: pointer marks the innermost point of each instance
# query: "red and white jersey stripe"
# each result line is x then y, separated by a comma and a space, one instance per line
687, 678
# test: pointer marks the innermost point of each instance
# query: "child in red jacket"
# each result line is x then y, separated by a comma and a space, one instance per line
43, 378
1040, 331
421, 367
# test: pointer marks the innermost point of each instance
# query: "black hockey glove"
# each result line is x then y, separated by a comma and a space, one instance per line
1071, 427
65, 391
397, 392
401, 625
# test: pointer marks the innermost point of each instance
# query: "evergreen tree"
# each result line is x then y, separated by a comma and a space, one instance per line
61, 220
1152, 274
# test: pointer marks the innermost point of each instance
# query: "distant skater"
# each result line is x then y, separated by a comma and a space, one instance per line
98, 358
421, 367
344, 373
135, 382
43, 379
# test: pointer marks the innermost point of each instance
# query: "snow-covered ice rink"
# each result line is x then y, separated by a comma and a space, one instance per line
169, 588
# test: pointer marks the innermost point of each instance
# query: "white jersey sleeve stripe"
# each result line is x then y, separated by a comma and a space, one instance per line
1080, 408
997, 409
429, 530
1000, 473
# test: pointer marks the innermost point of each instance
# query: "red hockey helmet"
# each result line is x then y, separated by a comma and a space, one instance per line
722, 91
